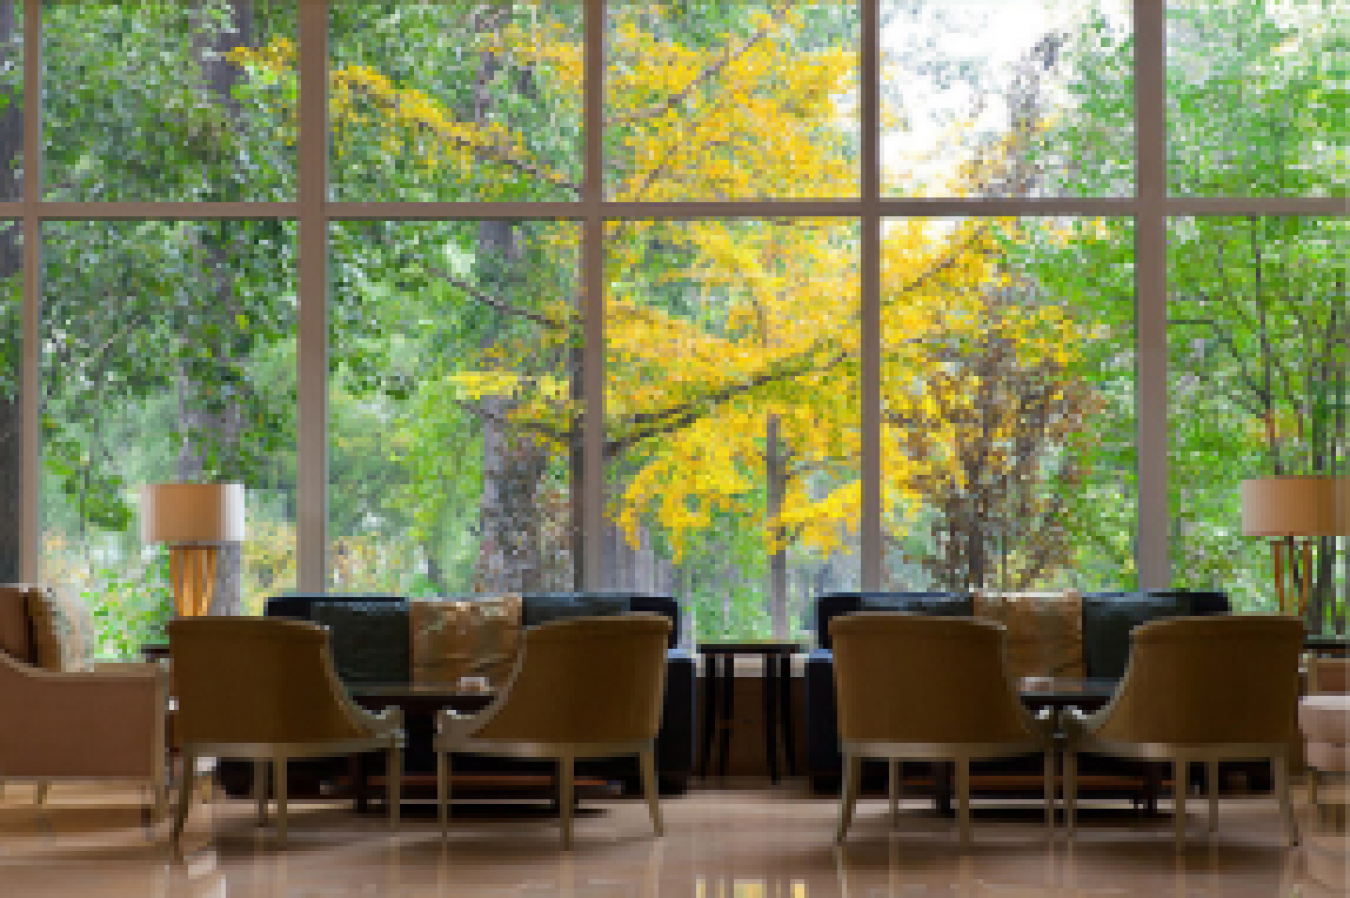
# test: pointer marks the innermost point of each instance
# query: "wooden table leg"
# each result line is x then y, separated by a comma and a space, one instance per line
709, 713
785, 696
771, 714
728, 708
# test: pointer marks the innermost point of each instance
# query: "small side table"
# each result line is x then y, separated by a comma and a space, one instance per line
718, 703
154, 651
1330, 645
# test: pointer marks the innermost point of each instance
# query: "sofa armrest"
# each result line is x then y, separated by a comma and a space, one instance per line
822, 727
675, 741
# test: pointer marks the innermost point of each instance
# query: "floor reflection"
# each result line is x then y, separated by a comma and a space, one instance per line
734, 843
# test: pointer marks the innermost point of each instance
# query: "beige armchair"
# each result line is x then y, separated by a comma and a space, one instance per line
1200, 689
931, 688
73, 725
582, 688
106, 724
265, 688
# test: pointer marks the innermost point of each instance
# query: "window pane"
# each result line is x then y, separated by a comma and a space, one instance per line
168, 354
1257, 319
719, 100
1008, 404
158, 100
11, 101
732, 416
11, 412
452, 422
1256, 98
992, 98
456, 101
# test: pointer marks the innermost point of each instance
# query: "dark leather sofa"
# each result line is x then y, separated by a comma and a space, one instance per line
370, 642
1108, 618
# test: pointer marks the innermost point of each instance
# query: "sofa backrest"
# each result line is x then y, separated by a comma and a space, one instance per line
371, 633
1109, 617
942, 604
297, 604
540, 608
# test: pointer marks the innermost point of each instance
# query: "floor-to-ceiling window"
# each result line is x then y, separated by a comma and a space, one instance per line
736, 301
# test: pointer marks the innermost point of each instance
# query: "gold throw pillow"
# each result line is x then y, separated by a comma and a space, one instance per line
458, 638
1045, 633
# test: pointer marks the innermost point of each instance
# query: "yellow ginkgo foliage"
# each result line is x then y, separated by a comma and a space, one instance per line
732, 346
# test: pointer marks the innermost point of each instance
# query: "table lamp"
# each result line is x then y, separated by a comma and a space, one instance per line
194, 519
1295, 510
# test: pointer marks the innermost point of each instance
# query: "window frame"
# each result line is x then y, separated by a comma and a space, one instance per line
1151, 208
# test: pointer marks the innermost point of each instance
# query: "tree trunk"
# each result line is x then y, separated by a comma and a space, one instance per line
514, 514
220, 78
775, 469
510, 515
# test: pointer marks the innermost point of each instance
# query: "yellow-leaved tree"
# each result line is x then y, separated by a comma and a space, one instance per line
732, 346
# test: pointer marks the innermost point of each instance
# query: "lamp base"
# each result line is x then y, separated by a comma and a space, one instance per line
192, 570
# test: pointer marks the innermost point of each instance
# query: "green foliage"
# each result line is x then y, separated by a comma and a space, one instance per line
129, 606
1257, 318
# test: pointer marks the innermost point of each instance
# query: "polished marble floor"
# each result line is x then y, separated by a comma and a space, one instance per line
726, 839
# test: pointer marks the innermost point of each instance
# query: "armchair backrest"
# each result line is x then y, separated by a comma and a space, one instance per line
16, 637
586, 680
253, 679
1209, 680
911, 678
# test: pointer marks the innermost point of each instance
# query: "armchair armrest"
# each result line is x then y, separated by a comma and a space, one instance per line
103, 723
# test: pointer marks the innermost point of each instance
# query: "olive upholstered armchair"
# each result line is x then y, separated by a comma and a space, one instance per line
265, 688
1200, 689
589, 687
910, 686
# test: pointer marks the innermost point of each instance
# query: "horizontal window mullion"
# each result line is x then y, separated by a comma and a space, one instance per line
1177, 206
79, 211
1315, 206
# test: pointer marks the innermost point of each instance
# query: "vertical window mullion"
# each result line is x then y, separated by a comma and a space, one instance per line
591, 518
312, 467
30, 385
1150, 79
870, 296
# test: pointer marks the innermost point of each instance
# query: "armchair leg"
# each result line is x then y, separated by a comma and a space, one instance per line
1279, 766
185, 788
160, 796
647, 761
848, 796
1212, 784
280, 786
963, 800
894, 785
1179, 773
1070, 791
260, 775
1050, 792
393, 790
443, 791
565, 797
